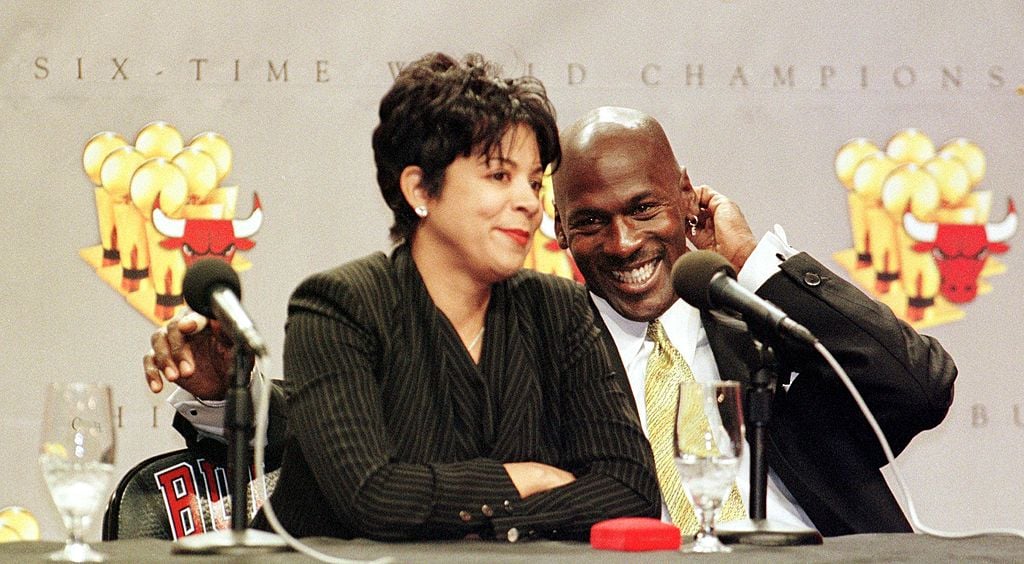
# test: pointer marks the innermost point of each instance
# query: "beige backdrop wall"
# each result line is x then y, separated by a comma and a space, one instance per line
756, 96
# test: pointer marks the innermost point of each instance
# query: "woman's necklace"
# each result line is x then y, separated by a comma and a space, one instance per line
472, 344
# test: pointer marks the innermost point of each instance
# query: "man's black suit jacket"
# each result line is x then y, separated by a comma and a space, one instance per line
819, 443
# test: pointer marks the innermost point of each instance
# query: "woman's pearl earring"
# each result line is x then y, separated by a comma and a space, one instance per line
421, 211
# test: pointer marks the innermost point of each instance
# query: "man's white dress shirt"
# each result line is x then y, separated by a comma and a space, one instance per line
684, 329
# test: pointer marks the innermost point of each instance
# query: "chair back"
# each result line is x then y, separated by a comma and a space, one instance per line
177, 494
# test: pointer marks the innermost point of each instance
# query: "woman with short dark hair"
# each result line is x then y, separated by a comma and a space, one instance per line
442, 391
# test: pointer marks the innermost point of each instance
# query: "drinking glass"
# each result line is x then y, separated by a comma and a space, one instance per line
708, 444
76, 455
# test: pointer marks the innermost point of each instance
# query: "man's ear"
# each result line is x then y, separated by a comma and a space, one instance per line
686, 191
563, 242
684, 180
411, 183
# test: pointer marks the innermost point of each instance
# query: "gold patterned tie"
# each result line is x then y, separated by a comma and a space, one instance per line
666, 369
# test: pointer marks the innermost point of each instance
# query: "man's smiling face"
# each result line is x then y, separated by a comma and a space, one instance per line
621, 203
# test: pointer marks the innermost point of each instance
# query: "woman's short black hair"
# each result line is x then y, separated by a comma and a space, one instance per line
440, 108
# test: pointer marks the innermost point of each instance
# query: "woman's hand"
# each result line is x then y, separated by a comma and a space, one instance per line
535, 477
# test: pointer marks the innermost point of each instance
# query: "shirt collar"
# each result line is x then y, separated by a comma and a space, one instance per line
682, 325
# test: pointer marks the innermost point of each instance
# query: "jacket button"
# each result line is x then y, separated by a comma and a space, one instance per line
812, 278
486, 510
465, 516
513, 534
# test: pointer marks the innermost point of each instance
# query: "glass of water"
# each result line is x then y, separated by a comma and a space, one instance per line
76, 454
708, 444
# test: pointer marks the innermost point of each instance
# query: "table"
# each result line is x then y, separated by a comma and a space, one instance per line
854, 548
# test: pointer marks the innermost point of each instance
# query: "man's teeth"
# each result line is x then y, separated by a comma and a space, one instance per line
637, 275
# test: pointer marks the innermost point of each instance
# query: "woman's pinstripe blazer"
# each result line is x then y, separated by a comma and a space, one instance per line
394, 432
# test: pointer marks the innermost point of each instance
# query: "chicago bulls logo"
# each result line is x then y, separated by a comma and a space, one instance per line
161, 205
208, 238
923, 243
960, 250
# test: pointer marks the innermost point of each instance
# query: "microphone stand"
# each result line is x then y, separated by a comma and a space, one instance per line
758, 530
238, 427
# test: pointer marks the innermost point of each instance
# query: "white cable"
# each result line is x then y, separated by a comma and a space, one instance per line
904, 491
262, 416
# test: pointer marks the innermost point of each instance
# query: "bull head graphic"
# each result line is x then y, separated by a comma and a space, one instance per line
208, 238
960, 250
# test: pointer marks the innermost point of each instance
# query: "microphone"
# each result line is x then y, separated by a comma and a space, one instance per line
706, 280
211, 288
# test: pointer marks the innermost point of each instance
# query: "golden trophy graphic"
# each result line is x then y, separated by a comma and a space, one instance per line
922, 239
545, 255
161, 205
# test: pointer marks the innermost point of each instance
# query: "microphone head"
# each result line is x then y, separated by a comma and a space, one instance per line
692, 275
200, 280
